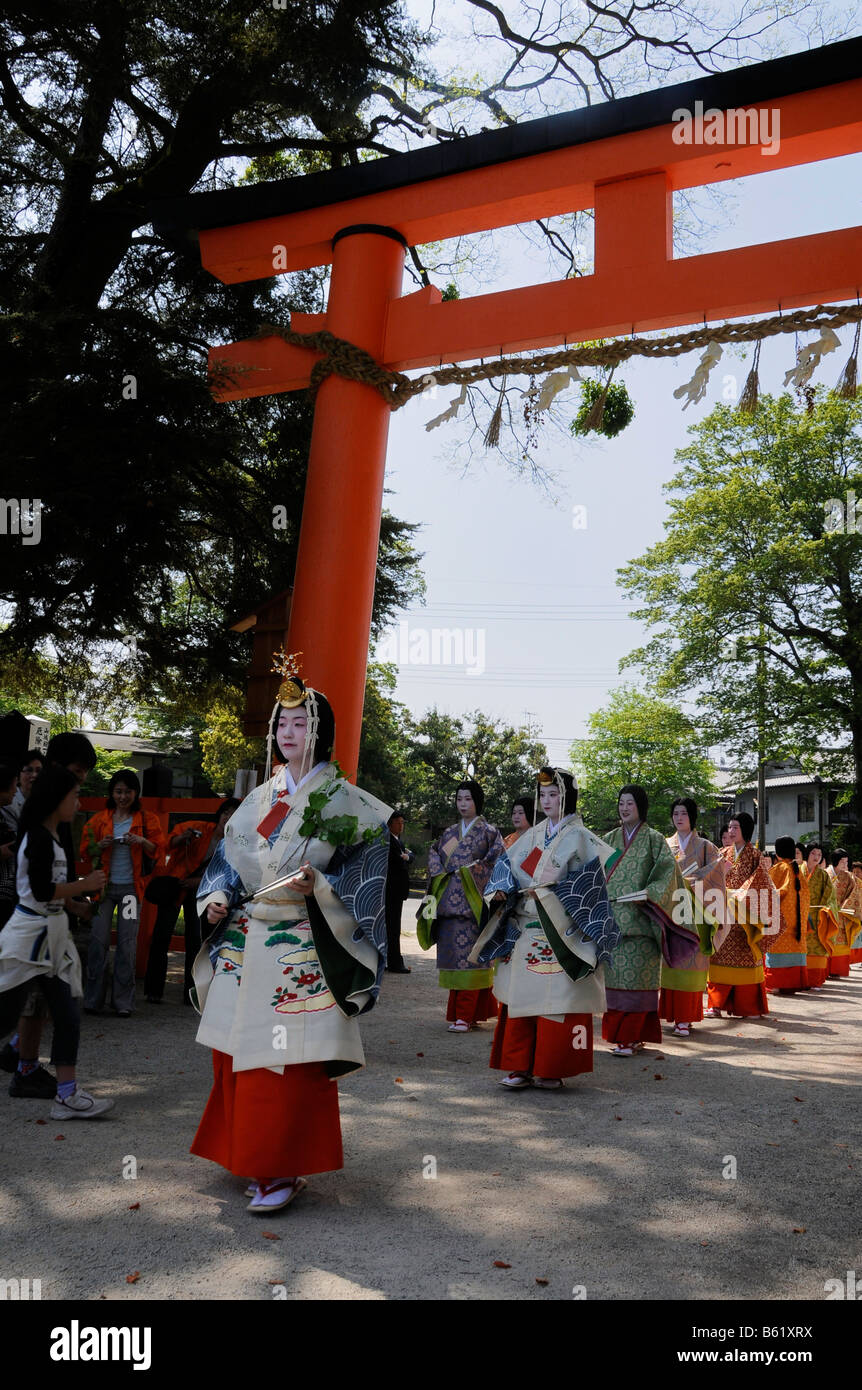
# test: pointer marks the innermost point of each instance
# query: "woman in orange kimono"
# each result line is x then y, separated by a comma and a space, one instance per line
822, 918
735, 979
845, 895
856, 948
522, 819
786, 968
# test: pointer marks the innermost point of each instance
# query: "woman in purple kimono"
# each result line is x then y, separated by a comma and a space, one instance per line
459, 866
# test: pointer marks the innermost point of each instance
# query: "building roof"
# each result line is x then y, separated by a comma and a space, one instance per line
120, 742
179, 220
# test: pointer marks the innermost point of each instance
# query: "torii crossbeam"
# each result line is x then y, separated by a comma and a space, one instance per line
624, 159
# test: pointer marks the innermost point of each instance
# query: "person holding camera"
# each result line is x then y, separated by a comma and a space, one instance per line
128, 844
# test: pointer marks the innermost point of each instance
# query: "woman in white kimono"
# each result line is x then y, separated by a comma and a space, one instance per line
297, 892
551, 934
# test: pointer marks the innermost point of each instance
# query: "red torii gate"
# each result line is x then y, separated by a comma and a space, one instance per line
624, 159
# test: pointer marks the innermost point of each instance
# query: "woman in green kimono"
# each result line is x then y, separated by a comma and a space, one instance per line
647, 893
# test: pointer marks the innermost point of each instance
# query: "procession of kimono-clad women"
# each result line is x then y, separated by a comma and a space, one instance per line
537, 933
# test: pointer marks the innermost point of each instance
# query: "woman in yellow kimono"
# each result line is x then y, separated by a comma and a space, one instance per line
786, 969
848, 923
856, 948
735, 978
822, 918
701, 866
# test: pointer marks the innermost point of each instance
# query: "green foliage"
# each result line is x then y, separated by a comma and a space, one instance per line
224, 746
755, 601
638, 739
443, 748
619, 408
157, 500
335, 830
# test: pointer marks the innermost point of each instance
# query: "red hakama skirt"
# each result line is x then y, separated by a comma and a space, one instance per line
681, 1005
743, 1001
258, 1124
471, 1005
540, 1047
628, 1028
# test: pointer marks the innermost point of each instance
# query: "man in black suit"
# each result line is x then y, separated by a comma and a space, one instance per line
397, 889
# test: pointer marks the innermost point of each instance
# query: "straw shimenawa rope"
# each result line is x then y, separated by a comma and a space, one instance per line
344, 359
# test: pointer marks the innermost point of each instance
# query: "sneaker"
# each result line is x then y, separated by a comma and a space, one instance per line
36, 1085
9, 1058
80, 1105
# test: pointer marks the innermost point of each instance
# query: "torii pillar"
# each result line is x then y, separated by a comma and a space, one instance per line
336, 566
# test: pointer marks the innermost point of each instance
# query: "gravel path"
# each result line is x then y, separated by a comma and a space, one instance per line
614, 1188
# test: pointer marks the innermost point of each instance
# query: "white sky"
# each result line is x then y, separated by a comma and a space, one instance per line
503, 560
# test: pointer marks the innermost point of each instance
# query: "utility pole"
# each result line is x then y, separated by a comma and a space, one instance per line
761, 740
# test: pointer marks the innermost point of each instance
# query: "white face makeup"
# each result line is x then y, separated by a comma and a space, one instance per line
519, 819
290, 734
628, 809
681, 820
549, 800
465, 805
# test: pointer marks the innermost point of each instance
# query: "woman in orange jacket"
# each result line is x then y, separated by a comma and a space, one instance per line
120, 837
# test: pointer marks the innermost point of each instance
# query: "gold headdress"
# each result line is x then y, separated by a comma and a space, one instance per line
292, 692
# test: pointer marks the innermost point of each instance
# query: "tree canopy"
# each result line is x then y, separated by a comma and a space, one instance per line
639, 739
755, 593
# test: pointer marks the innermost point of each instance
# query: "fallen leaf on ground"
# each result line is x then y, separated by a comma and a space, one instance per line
659, 1056
799, 1230
543, 1282
794, 1122
501, 1264
41, 1122
270, 1235
677, 1112
496, 1175
275, 1281
617, 1117
399, 1081
704, 1242
133, 1278
420, 1054
59, 1136
657, 1076
135, 1206
799, 1098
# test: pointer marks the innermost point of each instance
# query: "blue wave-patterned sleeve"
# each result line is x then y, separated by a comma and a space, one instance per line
584, 896
222, 877
358, 876
507, 931
501, 880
